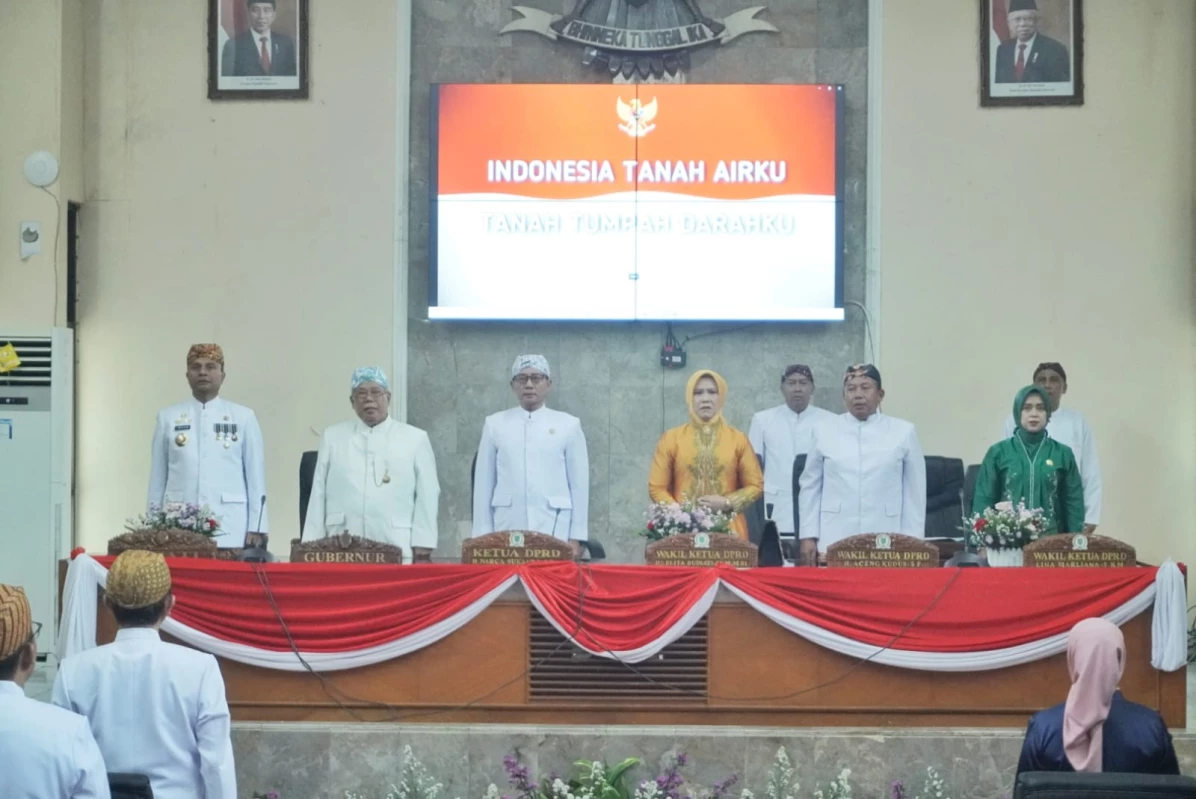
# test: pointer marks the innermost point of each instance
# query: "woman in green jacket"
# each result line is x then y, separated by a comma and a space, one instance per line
1029, 467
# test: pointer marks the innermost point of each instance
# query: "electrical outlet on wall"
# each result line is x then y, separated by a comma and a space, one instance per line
31, 239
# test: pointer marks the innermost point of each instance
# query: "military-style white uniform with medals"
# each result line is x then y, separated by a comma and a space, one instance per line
377, 482
211, 455
533, 473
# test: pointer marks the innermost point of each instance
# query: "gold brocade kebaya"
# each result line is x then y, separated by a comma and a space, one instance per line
707, 458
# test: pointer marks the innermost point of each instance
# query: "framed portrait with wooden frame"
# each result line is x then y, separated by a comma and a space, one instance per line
1031, 52
257, 49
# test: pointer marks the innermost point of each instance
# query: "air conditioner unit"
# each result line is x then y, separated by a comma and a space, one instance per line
37, 412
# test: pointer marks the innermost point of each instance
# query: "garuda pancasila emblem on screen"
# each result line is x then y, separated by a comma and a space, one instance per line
644, 37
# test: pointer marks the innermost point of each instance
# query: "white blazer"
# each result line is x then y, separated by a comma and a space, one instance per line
533, 473
46, 752
1071, 428
377, 482
778, 436
211, 455
863, 477
156, 709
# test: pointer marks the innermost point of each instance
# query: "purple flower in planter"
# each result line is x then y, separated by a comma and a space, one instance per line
721, 787
897, 790
519, 776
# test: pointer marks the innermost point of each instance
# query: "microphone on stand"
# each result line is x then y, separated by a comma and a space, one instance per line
258, 553
554, 521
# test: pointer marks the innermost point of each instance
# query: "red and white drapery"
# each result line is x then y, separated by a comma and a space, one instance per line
347, 616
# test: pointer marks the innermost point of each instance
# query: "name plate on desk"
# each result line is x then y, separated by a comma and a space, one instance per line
514, 546
882, 551
344, 548
1076, 550
170, 543
702, 549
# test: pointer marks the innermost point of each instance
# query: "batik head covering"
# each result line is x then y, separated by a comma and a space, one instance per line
1095, 660
692, 383
863, 370
16, 621
1053, 366
211, 352
537, 362
797, 369
369, 374
138, 579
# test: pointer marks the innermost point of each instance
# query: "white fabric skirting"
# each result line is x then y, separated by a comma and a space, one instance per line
77, 631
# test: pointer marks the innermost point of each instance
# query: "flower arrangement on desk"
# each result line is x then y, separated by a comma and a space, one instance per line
177, 516
1004, 526
677, 518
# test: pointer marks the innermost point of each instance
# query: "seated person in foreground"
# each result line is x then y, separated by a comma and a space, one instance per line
45, 752
706, 459
1032, 468
1096, 729
155, 708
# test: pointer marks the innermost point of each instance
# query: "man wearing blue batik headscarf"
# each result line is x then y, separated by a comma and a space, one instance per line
375, 477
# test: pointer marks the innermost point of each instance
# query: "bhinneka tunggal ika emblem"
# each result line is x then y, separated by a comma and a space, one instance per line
648, 37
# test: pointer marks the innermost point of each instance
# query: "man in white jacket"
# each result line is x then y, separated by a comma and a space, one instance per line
1071, 428
533, 471
208, 451
375, 477
864, 473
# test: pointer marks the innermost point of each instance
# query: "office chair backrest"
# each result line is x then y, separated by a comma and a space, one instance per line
799, 465
129, 786
969, 487
1070, 785
307, 475
944, 507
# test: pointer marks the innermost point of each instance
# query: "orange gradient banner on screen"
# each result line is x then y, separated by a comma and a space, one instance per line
727, 142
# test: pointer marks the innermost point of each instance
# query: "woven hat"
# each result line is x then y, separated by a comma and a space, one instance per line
16, 621
211, 352
138, 579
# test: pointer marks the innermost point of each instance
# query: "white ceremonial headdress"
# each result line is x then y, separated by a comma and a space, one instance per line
537, 362
369, 374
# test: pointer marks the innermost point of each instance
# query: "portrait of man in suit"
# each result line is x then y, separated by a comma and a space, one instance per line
259, 50
1028, 55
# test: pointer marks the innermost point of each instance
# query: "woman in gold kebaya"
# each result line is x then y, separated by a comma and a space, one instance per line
706, 460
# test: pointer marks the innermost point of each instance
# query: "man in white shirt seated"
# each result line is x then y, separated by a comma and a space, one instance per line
375, 477
45, 752
533, 472
1071, 428
155, 708
864, 473
779, 435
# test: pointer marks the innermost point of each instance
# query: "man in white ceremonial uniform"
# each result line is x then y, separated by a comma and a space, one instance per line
45, 752
375, 477
780, 434
209, 452
864, 473
155, 708
533, 471
1071, 428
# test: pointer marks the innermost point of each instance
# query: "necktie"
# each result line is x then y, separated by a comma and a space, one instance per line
1019, 66
265, 58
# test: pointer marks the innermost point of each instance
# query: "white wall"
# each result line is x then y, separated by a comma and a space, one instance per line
1014, 236
267, 227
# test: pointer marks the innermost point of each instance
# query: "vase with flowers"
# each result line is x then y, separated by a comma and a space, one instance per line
1003, 531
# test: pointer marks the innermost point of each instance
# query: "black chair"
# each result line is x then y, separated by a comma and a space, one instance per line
799, 466
129, 786
473, 472
969, 487
307, 475
944, 487
1070, 785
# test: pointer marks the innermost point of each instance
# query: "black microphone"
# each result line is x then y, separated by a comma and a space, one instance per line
554, 521
257, 554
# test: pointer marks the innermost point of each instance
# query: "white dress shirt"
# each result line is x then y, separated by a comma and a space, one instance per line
533, 473
156, 709
376, 482
863, 477
1071, 428
779, 435
211, 454
46, 752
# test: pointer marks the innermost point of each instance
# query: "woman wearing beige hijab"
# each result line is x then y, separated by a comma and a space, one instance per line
1097, 729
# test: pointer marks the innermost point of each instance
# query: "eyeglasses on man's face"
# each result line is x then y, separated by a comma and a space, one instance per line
372, 394
523, 380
